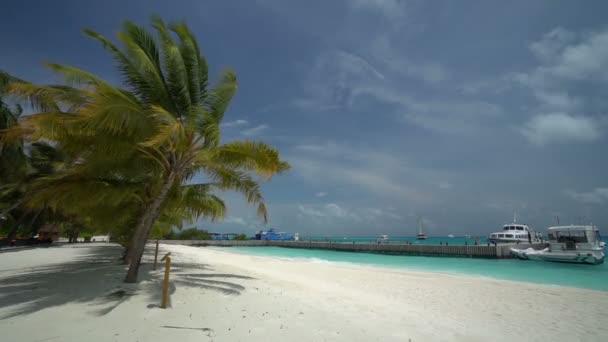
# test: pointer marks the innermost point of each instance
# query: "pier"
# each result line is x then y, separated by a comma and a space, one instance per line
500, 251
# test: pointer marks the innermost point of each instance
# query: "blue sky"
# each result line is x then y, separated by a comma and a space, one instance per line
460, 112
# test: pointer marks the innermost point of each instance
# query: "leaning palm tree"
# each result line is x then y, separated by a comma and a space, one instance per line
161, 128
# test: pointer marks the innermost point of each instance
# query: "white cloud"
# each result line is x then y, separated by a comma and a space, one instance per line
235, 220
552, 44
370, 170
385, 54
351, 64
560, 128
446, 116
239, 122
374, 214
570, 85
338, 212
394, 10
329, 211
567, 56
596, 196
321, 194
254, 131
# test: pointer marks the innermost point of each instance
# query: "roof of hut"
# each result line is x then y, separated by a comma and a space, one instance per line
48, 228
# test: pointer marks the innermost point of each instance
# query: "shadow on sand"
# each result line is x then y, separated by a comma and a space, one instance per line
96, 278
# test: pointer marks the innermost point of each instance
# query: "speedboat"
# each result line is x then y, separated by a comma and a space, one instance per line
573, 244
515, 233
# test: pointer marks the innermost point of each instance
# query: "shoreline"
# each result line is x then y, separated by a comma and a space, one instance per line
70, 292
403, 270
421, 269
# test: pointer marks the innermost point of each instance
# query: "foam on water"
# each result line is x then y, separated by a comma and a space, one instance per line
584, 276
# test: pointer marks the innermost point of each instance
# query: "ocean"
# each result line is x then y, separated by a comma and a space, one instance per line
582, 276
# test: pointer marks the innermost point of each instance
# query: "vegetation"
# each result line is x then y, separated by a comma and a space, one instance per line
241, 237
18, 171
188, 234
129, 153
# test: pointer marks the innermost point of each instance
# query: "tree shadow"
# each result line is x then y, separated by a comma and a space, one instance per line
96, 278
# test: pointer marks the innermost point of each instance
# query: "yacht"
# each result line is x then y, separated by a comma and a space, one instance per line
573, 244
421, 235
514, 233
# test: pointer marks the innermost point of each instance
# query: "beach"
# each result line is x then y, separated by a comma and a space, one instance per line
75, 293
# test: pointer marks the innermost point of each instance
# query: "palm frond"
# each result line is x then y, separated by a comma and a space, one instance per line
191, 56
250, 155
174, 70
129, 71
230, 179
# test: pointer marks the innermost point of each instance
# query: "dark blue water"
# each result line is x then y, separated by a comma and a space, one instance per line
584, 276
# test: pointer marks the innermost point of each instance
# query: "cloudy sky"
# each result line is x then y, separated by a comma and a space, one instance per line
460, 112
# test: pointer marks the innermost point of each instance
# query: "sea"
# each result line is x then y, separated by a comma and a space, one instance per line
541, 272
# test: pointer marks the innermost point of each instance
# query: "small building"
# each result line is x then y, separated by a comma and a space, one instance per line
48, 232
223, 236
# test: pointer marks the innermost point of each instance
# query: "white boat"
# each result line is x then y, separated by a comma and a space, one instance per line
451, 236
382, 238
515, 233
573, 244
421, 235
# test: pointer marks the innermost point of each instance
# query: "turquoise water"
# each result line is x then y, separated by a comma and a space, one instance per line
584, 276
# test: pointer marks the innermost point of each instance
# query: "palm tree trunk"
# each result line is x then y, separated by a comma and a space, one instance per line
144, 226
74, 234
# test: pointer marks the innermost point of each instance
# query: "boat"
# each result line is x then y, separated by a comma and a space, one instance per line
382, 238
515, 233
580, 244
451, 236
421, 235
271, 234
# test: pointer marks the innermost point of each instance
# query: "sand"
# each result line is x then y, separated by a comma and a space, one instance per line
75, 293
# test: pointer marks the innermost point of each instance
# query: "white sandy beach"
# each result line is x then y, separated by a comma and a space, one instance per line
75, 293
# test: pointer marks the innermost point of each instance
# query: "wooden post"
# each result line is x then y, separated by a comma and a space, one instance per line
165, 299
155, 256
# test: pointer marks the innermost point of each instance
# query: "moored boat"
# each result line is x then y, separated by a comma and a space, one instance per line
572, 244
515, 233
271, 234
382, 239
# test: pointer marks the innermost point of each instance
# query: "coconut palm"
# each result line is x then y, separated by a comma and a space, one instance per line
12, 155
154, 133
41, 161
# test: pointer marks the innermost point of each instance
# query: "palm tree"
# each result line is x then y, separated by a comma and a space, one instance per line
158, 131
41, 161
12, 155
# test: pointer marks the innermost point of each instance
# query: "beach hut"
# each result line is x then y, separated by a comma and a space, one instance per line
48, 232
